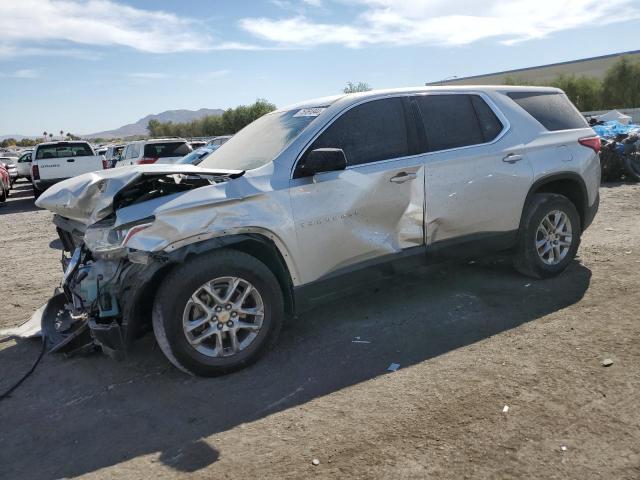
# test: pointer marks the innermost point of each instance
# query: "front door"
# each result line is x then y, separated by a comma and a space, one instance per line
373, 208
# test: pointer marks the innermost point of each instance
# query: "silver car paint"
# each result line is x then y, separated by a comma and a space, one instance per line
336, 219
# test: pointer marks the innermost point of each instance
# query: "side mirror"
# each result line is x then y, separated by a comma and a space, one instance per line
324, 160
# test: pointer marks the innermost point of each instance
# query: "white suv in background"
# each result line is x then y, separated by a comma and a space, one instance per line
157, 150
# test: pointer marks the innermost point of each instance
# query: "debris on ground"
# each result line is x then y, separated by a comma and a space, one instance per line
315, 462
607, 362
563, 448
357, 340
393, 367
505, 409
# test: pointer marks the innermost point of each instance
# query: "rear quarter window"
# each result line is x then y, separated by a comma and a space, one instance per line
553, 110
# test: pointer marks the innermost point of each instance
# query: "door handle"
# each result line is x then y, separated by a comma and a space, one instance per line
70, 160
512, 158
403, 177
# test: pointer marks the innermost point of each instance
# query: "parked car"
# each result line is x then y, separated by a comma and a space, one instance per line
24, 164
9, 164
113, 154
157, 150
53, 162
101, 151
195, 157
195, 144
314, 199
5, 184
219, 141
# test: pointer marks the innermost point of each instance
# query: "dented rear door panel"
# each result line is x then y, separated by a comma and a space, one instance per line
367, 211
473, 190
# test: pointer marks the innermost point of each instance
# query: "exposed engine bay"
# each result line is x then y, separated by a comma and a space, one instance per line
99, 289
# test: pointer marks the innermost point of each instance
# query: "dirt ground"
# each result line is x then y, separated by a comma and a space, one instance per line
470, 338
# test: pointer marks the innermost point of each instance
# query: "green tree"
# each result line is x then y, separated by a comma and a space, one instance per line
621, 85
356, 87
231, 121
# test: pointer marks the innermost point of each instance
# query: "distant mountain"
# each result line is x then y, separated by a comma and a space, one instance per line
140, 127
15, 137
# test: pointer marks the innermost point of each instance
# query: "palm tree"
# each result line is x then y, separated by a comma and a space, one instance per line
69, 136
51, 136
44, 134
61, 135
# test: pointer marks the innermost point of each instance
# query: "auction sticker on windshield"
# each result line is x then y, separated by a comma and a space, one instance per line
310, 112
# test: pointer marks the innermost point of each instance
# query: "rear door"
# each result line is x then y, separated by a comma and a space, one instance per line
66, 159
373, 208
477, 172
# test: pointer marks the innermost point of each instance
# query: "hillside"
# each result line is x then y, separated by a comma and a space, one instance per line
140, 127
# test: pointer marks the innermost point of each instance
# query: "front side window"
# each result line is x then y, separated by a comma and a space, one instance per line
369, 132
454, 121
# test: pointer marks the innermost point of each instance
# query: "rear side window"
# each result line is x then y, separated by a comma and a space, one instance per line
166, 149
553, 110
489, 123
369, 132
64, 150
453, 121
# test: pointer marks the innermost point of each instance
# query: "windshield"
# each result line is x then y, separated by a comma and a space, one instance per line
259, 142
196, 156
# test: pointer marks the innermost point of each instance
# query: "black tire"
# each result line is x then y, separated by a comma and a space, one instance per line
36, 193
527, 261
632, 166
3, 193
184, 280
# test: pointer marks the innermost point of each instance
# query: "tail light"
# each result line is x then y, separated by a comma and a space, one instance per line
105, 164
35, 172
147, 160
591, 142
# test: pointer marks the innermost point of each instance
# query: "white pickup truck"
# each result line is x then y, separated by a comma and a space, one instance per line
56, 161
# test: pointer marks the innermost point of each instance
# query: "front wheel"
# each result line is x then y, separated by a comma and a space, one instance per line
549, 236
218, 313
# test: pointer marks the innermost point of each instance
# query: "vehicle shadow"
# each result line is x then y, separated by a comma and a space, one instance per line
75, 416
20, 199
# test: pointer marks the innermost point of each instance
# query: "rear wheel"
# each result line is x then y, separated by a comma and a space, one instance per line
218, 313
549, 236
36, 193
3, 192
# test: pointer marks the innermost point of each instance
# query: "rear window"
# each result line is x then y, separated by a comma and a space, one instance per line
64, 150
553, 110
166, 149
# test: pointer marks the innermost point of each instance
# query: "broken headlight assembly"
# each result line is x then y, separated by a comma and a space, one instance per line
103, 238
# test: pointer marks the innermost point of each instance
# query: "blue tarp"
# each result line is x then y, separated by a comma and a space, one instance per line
611, 129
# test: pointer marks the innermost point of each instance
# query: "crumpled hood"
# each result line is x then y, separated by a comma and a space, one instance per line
89, 197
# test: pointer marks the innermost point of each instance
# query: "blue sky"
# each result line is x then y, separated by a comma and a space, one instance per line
85, 66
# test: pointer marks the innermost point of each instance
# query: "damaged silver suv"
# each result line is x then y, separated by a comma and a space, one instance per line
309, 199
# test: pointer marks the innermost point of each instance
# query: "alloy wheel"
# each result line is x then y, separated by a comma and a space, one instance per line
554, 237
223, 316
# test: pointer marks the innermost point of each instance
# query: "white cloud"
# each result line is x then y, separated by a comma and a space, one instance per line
443, 22
147, 75
23, 73
39, 25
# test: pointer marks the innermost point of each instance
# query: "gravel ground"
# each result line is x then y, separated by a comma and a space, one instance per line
469, 338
